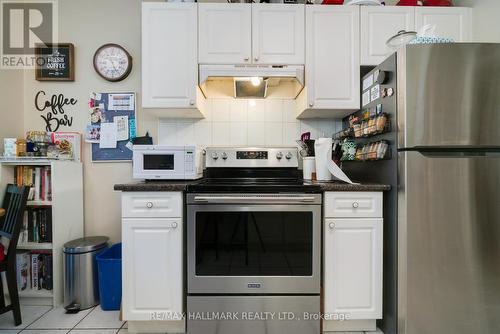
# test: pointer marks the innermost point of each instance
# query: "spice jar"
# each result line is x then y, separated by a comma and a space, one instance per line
381, 122
21, 147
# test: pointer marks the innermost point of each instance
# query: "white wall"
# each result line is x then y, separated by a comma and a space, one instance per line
11, 105
89, 24
244, 122
485, 21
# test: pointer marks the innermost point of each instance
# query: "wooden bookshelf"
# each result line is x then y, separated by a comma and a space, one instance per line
67, 219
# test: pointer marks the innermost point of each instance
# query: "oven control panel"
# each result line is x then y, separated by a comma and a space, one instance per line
251, 157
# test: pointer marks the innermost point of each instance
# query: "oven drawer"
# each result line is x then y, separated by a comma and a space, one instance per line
353, 204
152, 204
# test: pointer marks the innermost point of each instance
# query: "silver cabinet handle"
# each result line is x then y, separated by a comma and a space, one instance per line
191, 102
246, 59
149, 205
311, 104
331, 226
355, 205
174, 225
256, 59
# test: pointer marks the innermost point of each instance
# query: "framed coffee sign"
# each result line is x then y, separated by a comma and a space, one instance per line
55, 62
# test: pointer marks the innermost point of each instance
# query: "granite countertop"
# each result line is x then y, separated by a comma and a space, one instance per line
341, 186
175, 185
181, 186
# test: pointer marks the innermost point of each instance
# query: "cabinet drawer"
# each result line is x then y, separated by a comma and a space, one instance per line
151, 204
353, 204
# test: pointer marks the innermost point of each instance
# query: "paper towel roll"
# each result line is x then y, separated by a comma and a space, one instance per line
325, 166
323, 147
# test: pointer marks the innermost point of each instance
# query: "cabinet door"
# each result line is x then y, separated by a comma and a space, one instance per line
353, 267
378, 24
278, 33
152, 267
332, 57
169, 62
450, 22
225, 33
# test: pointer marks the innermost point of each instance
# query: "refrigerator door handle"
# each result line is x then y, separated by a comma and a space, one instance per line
454, 151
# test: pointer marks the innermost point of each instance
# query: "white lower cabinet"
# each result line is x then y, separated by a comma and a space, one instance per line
152, 271
352, 281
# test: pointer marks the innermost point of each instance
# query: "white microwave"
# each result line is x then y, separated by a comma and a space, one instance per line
157, 162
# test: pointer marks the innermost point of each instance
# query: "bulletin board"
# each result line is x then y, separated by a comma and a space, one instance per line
106, 109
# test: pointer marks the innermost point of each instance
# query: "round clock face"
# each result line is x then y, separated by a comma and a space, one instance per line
112, 62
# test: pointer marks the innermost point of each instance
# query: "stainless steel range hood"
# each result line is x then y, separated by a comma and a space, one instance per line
251, 81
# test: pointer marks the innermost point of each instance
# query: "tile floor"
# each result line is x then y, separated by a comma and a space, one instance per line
48, 320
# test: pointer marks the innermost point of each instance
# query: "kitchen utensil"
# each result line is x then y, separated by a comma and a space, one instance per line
302, 148
305, 136
403, 37
310, 147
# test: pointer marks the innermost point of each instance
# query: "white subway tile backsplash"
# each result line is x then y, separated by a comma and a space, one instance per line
238, 133
203, 132
167, 132
221, 110
244, 122
221, 133
274, 110
291, 132
256, 133
274, 133
185, 132
239, 111
290, 111
256, 110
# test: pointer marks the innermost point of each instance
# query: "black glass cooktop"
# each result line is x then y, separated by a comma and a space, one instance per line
253, 186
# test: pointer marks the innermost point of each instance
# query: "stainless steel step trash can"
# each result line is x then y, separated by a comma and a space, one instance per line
81, 285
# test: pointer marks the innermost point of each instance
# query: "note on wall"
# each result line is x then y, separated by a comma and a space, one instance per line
121, 102
108, 135
121, 127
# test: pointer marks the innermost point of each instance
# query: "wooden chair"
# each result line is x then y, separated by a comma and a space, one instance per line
10, 226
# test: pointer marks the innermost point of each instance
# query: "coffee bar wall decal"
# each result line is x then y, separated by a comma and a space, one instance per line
53, 109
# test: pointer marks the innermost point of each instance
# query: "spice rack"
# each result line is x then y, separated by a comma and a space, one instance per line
367, 128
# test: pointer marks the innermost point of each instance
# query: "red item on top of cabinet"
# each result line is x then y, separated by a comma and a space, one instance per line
332, 2
409, 3
438, 3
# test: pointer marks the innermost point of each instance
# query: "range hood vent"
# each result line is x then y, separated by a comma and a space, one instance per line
251, 81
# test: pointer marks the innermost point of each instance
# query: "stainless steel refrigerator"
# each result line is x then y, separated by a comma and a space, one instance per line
442, 246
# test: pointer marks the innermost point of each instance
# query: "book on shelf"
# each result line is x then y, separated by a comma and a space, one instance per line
23, 270
38, 179
37, 225
34, 270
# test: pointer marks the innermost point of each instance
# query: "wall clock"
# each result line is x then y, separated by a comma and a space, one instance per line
112, 62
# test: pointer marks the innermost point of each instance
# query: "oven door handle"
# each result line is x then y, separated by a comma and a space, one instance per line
254, 199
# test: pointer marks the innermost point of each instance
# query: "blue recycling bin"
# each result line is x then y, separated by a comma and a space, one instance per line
109, 267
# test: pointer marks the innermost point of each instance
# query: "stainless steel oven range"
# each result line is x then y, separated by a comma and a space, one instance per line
253, 245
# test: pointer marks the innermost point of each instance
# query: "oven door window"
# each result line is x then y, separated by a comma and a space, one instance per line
254, 243
159, 161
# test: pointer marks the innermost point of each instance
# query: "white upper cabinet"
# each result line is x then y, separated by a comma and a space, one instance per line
378, 24
450, 22
225, 33
332, 60
353, 250
278, 34
169, 49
